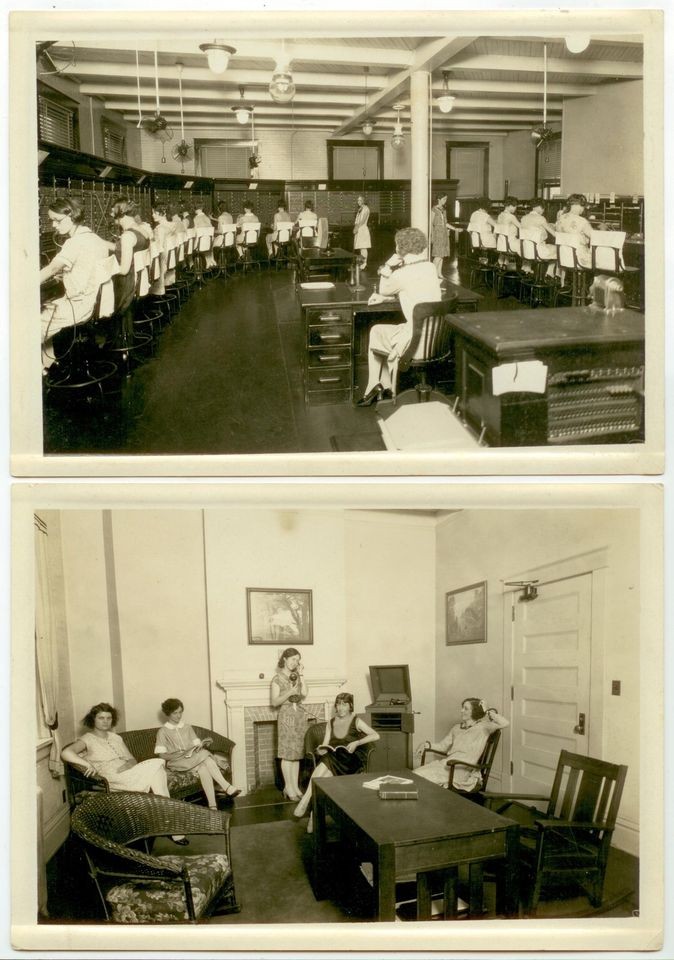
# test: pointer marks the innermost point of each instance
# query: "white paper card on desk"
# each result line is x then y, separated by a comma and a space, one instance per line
317, 285
527, 376
425, 426
376, 298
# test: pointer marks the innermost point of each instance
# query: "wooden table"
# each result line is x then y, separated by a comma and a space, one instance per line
336, 263
334, 343
594, 383
403, 838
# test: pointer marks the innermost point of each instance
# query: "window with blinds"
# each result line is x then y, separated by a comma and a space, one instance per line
114, 142
221, 161
57, 123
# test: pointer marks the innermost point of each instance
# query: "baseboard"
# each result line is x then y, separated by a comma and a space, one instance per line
626, 836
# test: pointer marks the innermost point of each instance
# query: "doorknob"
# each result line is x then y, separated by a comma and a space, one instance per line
580, 726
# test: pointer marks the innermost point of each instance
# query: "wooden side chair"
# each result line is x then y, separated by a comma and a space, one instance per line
483, 766
572, 838
135, 886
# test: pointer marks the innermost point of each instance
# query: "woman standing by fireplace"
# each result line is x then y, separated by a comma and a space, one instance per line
288, 689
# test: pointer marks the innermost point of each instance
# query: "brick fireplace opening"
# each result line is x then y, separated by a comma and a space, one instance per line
261, 742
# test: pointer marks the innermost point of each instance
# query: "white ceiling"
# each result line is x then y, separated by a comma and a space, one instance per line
497, 81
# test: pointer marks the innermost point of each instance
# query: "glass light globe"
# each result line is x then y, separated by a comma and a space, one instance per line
218, 55
241, 114
446, 103
397, 141
577, 42
282, 87
367, 128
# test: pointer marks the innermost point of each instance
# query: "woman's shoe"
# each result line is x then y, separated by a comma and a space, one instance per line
181, 841
232, 792
376, 393
292, 796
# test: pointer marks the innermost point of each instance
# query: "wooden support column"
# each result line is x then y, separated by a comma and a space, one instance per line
419, 142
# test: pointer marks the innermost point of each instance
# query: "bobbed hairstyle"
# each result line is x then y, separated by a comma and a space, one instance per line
477, 711
511, 201
536, 202
286, 655
68, 207
88, 721
222, 207
439, 197
309, 205
410, 240
484, 203
125, 208
345, 698
578, 198
168, 706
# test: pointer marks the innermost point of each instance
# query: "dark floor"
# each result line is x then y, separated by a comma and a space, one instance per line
72, 899
225, 378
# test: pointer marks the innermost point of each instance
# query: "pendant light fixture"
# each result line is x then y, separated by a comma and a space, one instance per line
242, 111
540, 134
368, 124
577, 42
398, 138
446, 101
282, 85
218, 54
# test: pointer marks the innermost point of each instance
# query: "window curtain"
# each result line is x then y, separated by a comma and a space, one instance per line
46, 652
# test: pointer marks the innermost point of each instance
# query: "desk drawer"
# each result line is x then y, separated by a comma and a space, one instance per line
321, 315
315, 398
330, 335
329, 357
335, 378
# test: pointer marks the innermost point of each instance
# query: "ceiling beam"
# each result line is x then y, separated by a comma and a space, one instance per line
129, 96
578, 66
430, 56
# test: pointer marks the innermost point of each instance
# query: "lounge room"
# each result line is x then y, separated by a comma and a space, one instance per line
535, 612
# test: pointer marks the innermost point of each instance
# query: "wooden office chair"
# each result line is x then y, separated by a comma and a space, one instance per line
135, 886
572, 838
483, 766
431, 343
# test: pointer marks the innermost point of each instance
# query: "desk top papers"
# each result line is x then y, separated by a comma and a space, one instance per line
317, 285
387, 781
527, 376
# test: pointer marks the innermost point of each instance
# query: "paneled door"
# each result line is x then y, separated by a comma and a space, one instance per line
551, 645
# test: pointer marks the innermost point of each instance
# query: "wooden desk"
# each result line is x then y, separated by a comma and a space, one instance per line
403, 838
314, 261
334, 344
594, 380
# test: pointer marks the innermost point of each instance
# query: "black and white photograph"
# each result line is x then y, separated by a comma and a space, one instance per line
305, 250
187, 781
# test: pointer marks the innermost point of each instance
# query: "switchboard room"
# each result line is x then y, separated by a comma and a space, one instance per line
236, 209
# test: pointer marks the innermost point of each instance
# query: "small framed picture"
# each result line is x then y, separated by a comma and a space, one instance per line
282, 617
466, 614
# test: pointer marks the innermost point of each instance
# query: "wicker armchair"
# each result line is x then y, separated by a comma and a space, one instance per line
137, 887
183, 784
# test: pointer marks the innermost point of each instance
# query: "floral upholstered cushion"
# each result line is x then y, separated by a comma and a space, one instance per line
163, 901
178, 780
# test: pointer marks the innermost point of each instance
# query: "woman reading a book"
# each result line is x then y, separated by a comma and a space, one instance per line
340, 751
181, 748
465, 741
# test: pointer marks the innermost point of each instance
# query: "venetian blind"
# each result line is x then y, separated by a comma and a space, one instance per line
114, 143
56, 123
222, 161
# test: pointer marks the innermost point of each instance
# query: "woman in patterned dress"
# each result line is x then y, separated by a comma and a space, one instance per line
181, 748
439, 234
288, 689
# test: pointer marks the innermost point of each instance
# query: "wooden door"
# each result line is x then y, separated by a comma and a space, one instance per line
551, 643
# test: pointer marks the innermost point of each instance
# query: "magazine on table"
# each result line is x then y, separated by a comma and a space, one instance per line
388, 780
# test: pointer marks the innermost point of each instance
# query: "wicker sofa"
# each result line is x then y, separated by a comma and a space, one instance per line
183, 785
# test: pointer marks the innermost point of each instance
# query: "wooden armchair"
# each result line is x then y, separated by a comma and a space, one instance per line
136, 887
483, 765
571, 840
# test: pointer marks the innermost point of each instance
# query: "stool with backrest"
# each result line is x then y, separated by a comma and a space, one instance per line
226, 251
203, 247
180, 286
250, 234
567, 258
161, 303
282, 244
506, 278
431, 343
607, 254
570, 840
539, 292
481, 268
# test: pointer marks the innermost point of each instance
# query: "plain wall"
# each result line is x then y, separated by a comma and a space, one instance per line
519, 164
390, 615
602, 141
494, 545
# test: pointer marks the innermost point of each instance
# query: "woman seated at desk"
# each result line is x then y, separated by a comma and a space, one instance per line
413, 278
281, 216
307, 218
246, 217
535, 221
572, 221
76, 264
483, 223
465, 741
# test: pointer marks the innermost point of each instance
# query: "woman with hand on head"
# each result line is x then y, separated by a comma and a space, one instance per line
181, 748
465, 741
102, 752
439, 234
344, 730
288, 689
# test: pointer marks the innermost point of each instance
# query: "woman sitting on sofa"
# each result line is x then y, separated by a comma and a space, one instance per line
465, 741
102, 752
181, 748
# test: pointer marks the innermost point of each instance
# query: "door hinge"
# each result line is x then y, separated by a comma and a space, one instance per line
512, 693
512, 770
512, 613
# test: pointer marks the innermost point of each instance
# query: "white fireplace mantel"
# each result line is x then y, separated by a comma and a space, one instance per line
240, 693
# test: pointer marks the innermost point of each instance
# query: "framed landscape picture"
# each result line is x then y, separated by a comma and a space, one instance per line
466, 613
281, 617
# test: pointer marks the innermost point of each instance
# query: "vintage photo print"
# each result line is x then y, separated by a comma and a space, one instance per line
177, 787
207, 235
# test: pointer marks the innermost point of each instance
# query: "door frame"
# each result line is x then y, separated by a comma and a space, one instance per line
595, 563
484, 144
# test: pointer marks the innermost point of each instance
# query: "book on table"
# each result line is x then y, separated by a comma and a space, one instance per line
388, 781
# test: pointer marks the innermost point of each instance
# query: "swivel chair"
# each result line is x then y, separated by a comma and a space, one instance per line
535, 285
567, 257
281, 245
250, 234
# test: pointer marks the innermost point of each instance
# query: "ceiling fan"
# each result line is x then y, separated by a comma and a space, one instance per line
156, 126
